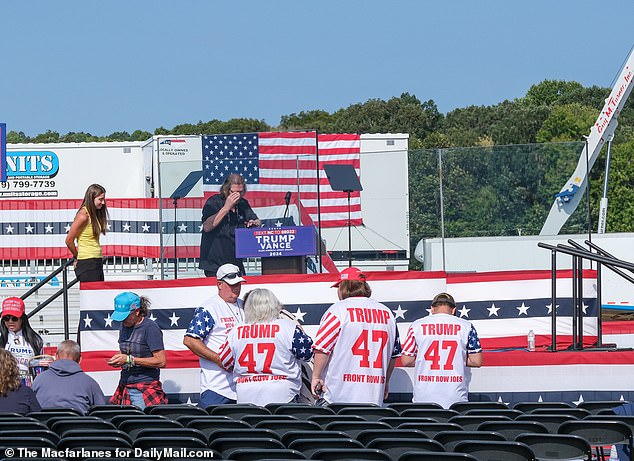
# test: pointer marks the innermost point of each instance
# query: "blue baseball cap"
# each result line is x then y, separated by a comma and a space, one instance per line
124, 303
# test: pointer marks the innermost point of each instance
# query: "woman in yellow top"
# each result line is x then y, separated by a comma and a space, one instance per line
89, 222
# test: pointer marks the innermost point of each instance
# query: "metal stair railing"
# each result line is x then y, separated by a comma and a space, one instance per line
66, 285
578, 253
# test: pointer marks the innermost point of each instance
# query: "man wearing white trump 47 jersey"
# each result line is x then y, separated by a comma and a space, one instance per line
265, 352
207, 332
442, 347
356, 345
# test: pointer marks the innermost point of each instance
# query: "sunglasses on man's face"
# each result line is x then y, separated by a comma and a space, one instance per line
10, 318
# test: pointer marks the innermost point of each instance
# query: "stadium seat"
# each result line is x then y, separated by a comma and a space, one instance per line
112, 407
281, 427
243, 433
9, 415
552, 422
225, 445
134, 426
105, 443
43, 433
185, 419
471, 423
26, 442
395, 447
402, 406
449, 439
302, 411
511, 429
435, 456
290, 436
59, 426
493, 412
336, 406
237, 411
461, 407
174, 442
370, 434
207, 426
596, 406
352, 428
60, 409
117, 420
171, 432
440, 415
347, 454
24, 426
324, 420
431, 429
109, 414
396, 421
557, 446
255, 454
527, 407
369, 413
309, 446
173, 411
252, 420
578, 413
599, 433
627, 419
80, 432
44, 416
486, 450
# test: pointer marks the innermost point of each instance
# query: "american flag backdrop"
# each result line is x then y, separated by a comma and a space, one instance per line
275, 163
503, 306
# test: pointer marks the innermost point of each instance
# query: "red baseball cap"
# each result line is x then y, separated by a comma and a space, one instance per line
13, 306
351, 273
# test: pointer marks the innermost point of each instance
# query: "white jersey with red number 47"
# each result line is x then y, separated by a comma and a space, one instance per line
361, 337
266, 360
440, 343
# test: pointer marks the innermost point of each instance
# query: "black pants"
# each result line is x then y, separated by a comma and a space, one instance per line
89, 270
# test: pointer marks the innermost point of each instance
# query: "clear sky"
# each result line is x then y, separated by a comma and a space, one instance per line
105, 66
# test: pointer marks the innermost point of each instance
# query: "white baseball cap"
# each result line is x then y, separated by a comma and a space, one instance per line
229, 273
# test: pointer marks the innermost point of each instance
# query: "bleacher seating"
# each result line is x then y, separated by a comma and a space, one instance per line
398, 432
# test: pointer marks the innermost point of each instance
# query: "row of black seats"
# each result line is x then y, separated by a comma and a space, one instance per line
525, 447
224, 435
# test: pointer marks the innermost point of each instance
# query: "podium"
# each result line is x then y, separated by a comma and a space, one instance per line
283, 249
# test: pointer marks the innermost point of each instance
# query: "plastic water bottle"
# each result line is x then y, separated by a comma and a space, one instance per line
531, 341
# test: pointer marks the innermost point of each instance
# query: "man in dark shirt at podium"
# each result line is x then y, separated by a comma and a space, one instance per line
222, 214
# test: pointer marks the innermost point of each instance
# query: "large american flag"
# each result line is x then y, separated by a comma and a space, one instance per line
276, 163
503, 306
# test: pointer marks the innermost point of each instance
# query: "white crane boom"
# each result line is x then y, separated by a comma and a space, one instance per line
568, 198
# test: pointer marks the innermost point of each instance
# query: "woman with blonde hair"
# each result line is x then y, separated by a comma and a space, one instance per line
265, 352
89, 223
14, 397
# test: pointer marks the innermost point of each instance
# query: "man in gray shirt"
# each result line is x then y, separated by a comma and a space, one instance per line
65, 385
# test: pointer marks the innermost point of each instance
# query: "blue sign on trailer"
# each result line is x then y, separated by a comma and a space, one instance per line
259, 242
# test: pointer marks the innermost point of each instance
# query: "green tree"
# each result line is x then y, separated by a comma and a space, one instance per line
14, 137
47, 137
550, 92
568, 122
